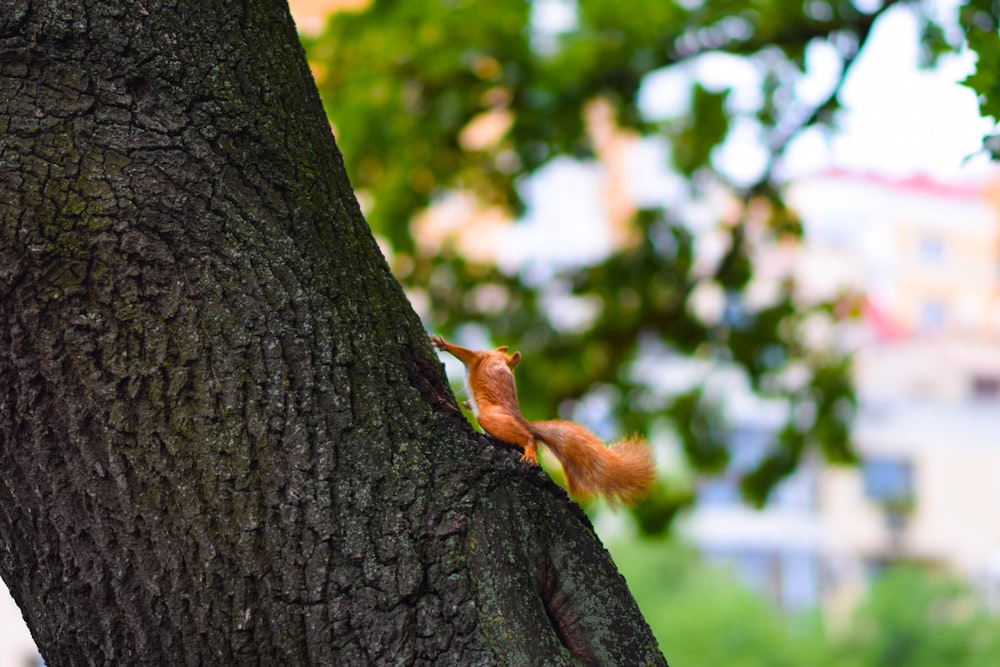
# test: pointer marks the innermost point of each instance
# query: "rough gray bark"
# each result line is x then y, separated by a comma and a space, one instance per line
224, 438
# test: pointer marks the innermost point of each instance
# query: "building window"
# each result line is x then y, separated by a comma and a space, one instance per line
787, 576
888, 481
986, 387
931, 250
932, 315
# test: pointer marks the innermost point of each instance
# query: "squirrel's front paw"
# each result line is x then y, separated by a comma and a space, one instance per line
438, 342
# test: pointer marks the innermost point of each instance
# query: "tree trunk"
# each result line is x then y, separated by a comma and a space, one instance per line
224, 437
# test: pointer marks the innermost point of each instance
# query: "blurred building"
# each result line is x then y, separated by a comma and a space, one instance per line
310, 15
924, 257
777, 551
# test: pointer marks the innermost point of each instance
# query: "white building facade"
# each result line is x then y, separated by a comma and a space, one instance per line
924, 258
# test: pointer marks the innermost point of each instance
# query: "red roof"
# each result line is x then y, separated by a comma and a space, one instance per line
921, 183
880, 322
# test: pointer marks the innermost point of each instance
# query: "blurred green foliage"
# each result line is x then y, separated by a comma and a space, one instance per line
980, 20
700, 616
404, 81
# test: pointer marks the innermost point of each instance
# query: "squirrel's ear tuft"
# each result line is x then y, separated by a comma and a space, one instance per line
502, 348
513, 359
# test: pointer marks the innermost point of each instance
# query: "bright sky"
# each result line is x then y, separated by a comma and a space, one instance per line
901, 119
897, 119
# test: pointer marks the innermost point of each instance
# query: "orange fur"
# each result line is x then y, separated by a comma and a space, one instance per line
622, 472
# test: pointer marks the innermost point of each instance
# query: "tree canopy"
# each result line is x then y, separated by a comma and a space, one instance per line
436, 100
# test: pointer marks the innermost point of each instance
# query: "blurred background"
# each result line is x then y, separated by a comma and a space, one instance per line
763, 233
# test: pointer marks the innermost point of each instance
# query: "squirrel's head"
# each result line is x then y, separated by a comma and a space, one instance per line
510, 359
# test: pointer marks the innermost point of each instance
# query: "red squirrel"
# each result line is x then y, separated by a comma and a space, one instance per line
622, 472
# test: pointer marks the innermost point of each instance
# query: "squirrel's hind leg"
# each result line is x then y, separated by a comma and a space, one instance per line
501, 424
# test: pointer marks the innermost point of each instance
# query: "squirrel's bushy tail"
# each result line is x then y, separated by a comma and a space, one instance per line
622, 472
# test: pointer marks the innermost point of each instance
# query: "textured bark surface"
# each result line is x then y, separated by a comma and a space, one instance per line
224, 438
